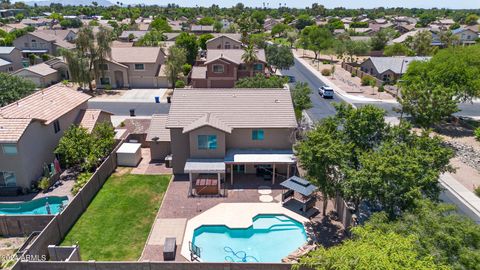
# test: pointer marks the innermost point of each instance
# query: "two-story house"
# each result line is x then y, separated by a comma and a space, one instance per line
45, 42
10, 59
222, 68
224, 42
219, 133
31, 128
134, 67
465, 36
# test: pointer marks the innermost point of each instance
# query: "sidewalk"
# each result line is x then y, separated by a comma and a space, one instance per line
455, 193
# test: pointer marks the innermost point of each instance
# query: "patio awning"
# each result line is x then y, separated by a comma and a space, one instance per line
299, 185
204, 166
259, 156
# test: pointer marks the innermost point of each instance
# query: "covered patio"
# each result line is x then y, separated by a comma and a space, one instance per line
205, 176
305, 205
268, 163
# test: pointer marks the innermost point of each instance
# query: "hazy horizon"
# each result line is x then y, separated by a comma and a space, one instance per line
451, 4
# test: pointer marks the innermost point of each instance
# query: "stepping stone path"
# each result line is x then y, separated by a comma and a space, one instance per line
264, 190
266, 198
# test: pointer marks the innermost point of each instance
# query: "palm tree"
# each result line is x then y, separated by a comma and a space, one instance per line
249, 57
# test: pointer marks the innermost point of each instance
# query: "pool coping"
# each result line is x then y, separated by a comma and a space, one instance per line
228, 214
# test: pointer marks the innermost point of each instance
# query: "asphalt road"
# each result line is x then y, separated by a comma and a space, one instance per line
323, 108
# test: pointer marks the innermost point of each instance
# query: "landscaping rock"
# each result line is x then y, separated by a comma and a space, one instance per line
467, 154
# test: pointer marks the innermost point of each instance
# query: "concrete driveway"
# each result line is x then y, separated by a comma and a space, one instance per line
144, 95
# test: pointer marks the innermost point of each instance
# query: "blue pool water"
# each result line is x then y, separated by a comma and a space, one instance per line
34, 207
269, 239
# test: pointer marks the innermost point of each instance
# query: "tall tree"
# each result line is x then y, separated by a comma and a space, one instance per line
249, 57
13, 88
301, 98
174, 64
91, 52
279, 57
316, 39
189, 43
422, 43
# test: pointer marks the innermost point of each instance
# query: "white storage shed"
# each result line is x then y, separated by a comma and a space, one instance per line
129, 154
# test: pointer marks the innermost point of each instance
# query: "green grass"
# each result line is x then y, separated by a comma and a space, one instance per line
116, 224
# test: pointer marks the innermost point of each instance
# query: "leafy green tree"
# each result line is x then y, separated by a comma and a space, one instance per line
258, 40
218, 26
161, 24
380, 39
189, 43
13, 88
92, 50
279, 57
74, 146
448, 38
371, 249
449, 238
397, 49
301, 98
260, 81
153, 38
351, 48
206, 21
202, 40
422, 43
472, 19
103, 138
279, 30
292, 36
303, 21
316, 39
174, 64
322, 154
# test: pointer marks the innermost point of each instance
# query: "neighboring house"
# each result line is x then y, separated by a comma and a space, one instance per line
45, 74
215, 132
12, 59
222, 68
90, 118
201, 29
45, 42
389, 68
270, 23
125, 36
37, 22
31, 128
12, 26
404, 28
134, 67
443, 24
223, 42
158, 137
465, 36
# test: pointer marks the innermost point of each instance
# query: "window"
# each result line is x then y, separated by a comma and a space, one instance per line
103, 66
9, 149
227, 45
258, 67
207, 142
139, 67
7, 179
242, 67
104, 81
56, 126
257, 135
218, 68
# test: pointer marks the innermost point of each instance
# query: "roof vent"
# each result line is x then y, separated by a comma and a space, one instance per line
277, 101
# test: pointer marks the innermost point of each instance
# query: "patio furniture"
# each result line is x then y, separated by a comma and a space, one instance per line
169, 248
206, 186
194, 252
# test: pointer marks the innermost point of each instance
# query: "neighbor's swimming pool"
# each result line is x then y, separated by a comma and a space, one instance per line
35, 207
269, 239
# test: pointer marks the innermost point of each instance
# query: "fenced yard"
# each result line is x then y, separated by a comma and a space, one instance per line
116, 224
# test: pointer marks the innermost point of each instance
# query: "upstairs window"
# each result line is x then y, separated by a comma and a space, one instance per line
9, 149
103, 66
207, 142
258, 135
56, 126
139, 67
218, 68
258, 67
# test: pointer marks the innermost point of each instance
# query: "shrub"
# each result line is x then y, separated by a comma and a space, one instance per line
368, 80
381, 88
179, 84
45, 57
477, 191
82, 179
260, 81
186, 69
44, 183
353, 75
476, 133
108, 87
326, 72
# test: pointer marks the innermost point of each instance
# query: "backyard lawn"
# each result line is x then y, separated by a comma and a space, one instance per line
117, 223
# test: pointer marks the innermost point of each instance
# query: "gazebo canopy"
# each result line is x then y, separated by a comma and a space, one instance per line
299, 185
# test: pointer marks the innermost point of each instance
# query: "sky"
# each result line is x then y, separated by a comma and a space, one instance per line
453, 4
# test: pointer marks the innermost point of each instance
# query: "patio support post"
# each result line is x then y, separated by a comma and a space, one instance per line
190, 180
218, 181
288, 171
231, 174
273, 174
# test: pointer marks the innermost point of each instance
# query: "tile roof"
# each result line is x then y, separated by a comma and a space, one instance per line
235, 37
197, 28
89, 118
396, 64
234, 55
41, 69
45, 105
199, 72
12, 129
158, 129
136, 54
227, 109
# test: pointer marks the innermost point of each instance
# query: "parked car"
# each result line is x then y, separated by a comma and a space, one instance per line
325, 92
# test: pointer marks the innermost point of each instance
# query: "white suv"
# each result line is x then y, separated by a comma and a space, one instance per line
325, 92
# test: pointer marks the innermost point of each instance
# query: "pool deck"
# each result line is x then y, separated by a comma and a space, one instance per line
228, 214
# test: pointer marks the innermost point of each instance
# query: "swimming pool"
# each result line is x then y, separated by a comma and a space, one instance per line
269, 239
34, 207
